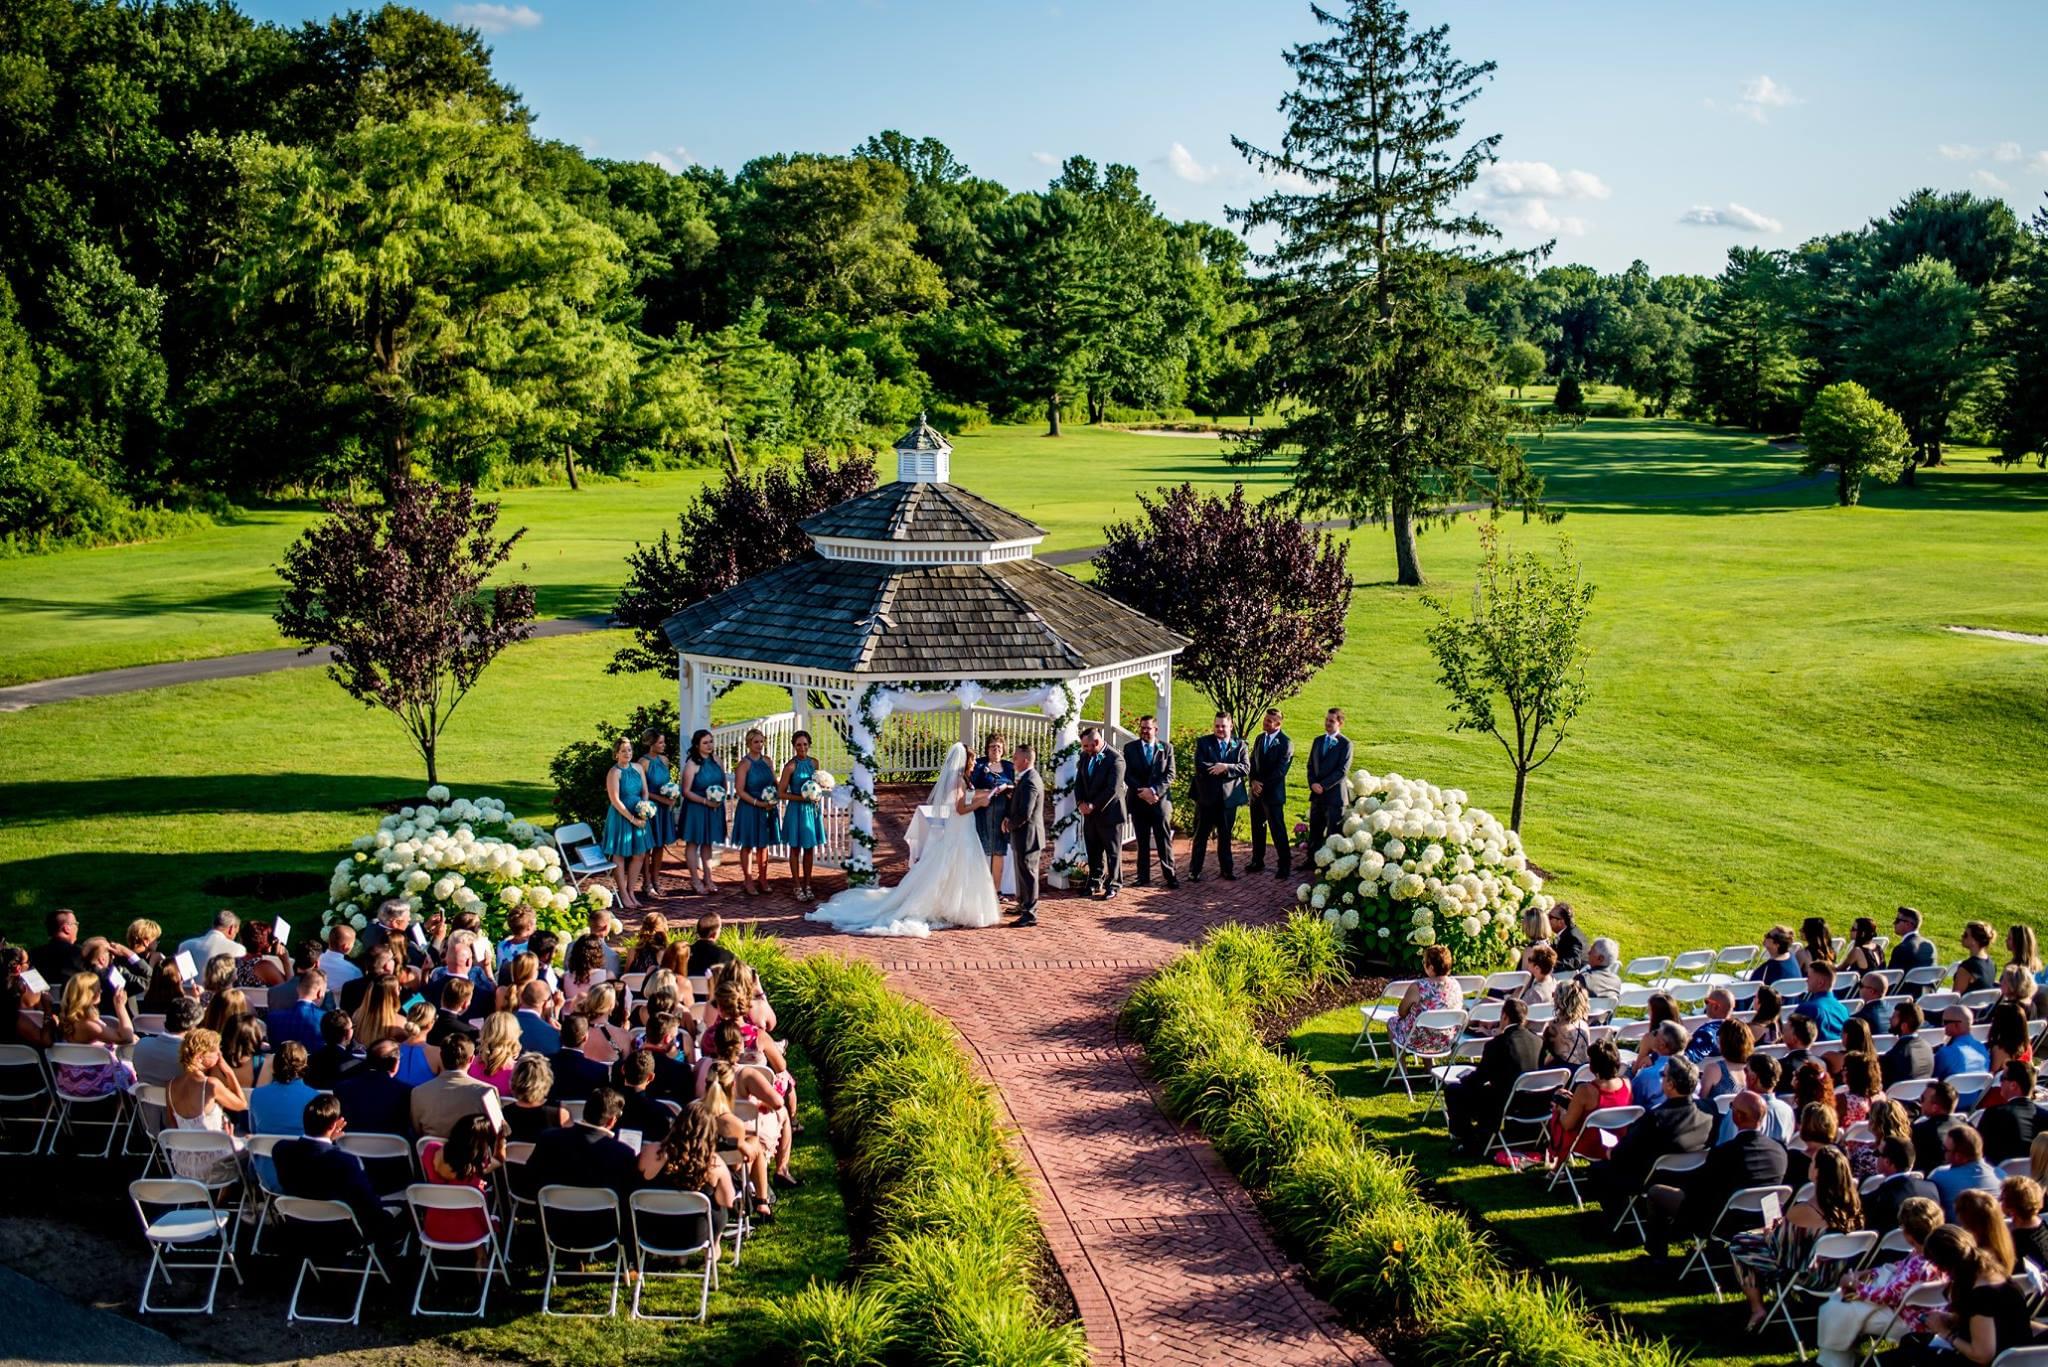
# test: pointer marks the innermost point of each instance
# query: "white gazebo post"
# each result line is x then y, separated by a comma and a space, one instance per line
1112, 703
860, 859
693, 697
1162, 710
1070, 845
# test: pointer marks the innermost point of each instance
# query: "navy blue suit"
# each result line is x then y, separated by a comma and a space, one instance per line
1149, 768
300, 1021
318, 1171
576, 1077
1272, 755
375, 1103
1216, 798
1329, 763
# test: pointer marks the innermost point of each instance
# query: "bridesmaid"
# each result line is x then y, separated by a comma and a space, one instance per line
626, 834
754, 820
803, 825
992, 773
703, 814
665, 826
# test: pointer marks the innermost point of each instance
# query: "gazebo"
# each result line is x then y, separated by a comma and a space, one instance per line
919, 599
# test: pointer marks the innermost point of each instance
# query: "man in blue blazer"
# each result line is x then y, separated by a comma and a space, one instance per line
1272, 755
1218, 782
301, 1020
316, 1168
372, 1097
1329, 763
1148, 783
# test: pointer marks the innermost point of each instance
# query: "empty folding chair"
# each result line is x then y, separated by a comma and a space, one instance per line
1684, 968
388, 1160
1832, 1254
328, 1228
581, 856
25, 1097
1667, 1165
1918, 980
1610, 1123
1933, 1004
582, 1222
1635, 998
517, 1190
1731, 963
700, 987
1690, 994
1746, 1202
1983, 999
1539, 1085
1599, 1010
423, 1198
678, 1225
76, 1109
2017, 1167
633, 982
177, 1215
147, 1107
1542, 1013
1647, 967
1447, 1026
2035, 1356
1505, 983
1379, 1011
263, 1171
1744, 993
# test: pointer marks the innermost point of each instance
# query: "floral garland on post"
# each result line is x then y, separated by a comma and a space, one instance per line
867, 730
1073, 861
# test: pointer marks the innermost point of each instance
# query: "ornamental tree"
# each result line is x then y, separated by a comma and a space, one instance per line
1516, 668
1260, 596
1851, 431
397, 594
1520, 364
744, 525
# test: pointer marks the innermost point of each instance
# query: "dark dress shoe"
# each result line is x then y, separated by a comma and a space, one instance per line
1284, 874
1255, 868
1027, 919
1142, 883
1172, 882
1192, 878
1230, 878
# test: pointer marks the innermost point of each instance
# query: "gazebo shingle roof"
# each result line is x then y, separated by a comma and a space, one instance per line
1003, 619
908, 511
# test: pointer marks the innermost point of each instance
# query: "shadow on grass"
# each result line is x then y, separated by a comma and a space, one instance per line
146, 602
55, 800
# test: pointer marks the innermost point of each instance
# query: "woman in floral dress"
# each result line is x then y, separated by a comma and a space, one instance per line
1435, 990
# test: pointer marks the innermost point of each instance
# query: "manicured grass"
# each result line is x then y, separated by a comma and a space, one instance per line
1533, 1228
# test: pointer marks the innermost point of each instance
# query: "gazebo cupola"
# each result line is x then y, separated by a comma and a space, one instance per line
923, 518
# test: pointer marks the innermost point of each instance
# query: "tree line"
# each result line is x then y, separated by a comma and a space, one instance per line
248, 259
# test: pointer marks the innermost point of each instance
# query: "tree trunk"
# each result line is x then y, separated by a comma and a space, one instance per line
427, 753
1521, 790
1052, 415
1906, 474
1407, 564
569, 464
1848, 487
732, 452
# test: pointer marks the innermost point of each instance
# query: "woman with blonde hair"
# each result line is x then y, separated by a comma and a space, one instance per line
531, 1113
200, 1097
497, 1051
1567, 1038
524, 969
716, 1104
1978, 1212
1887, 1120
607, 1041
216, 976
416, 1062
379, 1016
223, 1010
79, 1022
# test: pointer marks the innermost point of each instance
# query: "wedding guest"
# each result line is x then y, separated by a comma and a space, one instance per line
1862, 954
1148, 787
262, 963
1706, 1039
201, 1097
219, 940
1913, 949
1767, 1017
80, 1022
1889, 1123
2011, 1117
576, 1073
465, 1159
2006, 1038
627, 837
1221, 766
1864, 1302
1329, 764
1567, 939
1901, 1184
1816, 941
2020, 1199
58, 957
1435, 990
716, 1106
704, 785
1475, 1104
687, 1160
1567, 1037
2022, 947
1978, 1212
604, 928
1769, 1259
1598, 977
279, 1105
1542, 984
1728, 1069
706, 953
665, 826
1779, 1121
1975, 973
519, 924
1272, 755
300, 1021
1963, 1052
1099, 797
1987, 1312
1607, 1087
2019, 988
995, 775
1820, 1005
755, 815
141, 957
803, 820
497, 1050
533, 1111
334, 1058
1965, 1169
649, 944
1747, 1158
1778, 963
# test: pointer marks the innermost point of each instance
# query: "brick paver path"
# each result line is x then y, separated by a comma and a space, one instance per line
1165, 1253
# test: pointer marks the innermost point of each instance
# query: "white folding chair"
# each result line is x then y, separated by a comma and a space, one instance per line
581, 854
149, 1024
1449, 1023
1731, 963
22, 1080
2025, 1356
1969, 1087
1377, 1012
1925, 1296
2017, 1167
519, 1200
70, 1105
1635, 998
633, 982
325, 1223
1610, 1123
1842, 1252
389, 1161
1647, 967
1504, 983
1895, 1241
1934, 1003
1685, 968
575, 1110
1981, 999
580, 1205
700, 987
1539, 1083
422, 1197
219, 1154
1748, 1201
1666, 1165
186, 1218
1908, 1091
742, 1222
1891, 977
646, 1207
263, 1171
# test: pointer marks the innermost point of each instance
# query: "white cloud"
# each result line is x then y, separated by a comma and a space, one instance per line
1183, 164
1292, 181
2039, 162
1760, 95
675, 159
486, 18
1540, 180
1730, 216
1960, 151
1045, 158
2006, 151
1536, 216
1989, 181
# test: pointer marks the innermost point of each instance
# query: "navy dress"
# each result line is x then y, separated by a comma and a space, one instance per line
704, 825
988, 821
755, 828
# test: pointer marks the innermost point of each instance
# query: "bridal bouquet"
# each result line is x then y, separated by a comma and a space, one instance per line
820, 783
1413, 866
643, 809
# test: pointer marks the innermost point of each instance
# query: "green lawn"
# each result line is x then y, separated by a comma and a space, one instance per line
1534, 1228
1778, 725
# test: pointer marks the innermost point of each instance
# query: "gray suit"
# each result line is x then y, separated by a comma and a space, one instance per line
1099, 782
1027, 837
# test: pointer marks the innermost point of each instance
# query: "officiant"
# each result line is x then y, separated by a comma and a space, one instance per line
993, 773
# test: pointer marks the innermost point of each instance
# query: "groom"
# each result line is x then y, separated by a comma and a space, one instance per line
1025, 826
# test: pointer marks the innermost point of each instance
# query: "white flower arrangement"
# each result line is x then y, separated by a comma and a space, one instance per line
643, 809
454, 855
715, 792
1413, 865
438, 793
767, 794
671, 791
811, 789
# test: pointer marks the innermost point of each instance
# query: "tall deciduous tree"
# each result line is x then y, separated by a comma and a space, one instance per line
399, 595
1520, 364
1042, 295
1398, 418
1850, 432
1516, 666
1260, 596
744, 525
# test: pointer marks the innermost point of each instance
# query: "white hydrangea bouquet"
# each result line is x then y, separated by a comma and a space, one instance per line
672, 791
458, 855
715, 792
1414, 865
643, 809
819, 784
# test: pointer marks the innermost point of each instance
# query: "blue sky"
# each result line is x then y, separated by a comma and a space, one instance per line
1662, 131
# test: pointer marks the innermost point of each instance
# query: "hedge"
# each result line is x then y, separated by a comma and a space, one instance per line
954, 1245
1376, 1247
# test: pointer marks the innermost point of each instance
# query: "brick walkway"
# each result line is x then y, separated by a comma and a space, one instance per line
1165, 1253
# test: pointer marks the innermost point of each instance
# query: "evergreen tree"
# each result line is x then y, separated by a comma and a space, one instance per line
1916, 348
1398, 417
1745, 367
1570, 397
2022, 337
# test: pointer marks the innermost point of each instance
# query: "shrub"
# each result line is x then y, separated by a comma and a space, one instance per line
50, 503
1570, 397
1622, 405
953, 418
835, 1326
579, 768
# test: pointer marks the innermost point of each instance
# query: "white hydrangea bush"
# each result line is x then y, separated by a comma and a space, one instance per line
455, 854
1415, 865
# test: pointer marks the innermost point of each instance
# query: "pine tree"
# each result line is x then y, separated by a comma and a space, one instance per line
1397, 416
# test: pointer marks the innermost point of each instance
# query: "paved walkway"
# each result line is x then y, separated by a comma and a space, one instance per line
1165, 1253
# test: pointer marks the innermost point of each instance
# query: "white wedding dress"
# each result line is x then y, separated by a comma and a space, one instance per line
948, 883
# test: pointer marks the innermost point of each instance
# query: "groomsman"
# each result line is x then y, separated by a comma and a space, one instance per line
1218, 784
1148, 778
1272, 757
1099, 794
1329, 762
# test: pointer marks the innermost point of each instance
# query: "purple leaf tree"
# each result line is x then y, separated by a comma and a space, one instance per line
398, 594
1260, 596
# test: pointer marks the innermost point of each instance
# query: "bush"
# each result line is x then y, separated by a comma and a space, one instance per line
49, 503
1570, 397
1382, 1253
953, 418
1622, 405
835, 1326
579, 768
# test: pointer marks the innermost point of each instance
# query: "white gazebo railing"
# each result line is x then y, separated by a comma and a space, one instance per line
828, 747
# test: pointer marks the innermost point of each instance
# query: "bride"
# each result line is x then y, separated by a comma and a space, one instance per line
948, 884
